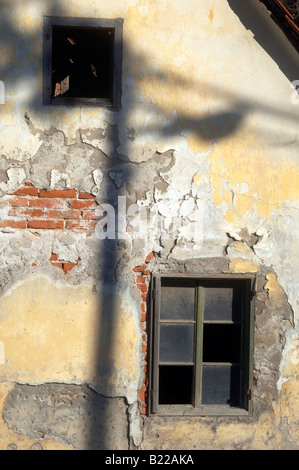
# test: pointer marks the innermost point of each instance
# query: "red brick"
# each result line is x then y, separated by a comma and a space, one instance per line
141, 393
142, 287
140, 279
19, 202
46, 224
139, 269
53, 257
82, 204
91, 215
26, 191
83, 195
13, 223
149, 257
25, 212
80, 224
57, 265
28, 184
143, 307
57, 193
68, 266
143, 317
144, 297
48, 203
146, 272
63, 214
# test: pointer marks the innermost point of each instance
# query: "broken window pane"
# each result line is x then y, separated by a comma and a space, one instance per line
175, 384
221, 343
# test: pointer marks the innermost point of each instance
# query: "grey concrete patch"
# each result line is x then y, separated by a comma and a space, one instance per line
74, 415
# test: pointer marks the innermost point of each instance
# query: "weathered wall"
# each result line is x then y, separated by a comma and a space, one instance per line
208, 133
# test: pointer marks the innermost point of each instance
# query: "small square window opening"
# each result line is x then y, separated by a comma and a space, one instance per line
82, 61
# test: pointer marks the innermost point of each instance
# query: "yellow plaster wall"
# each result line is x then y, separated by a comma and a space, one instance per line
54, 332
192, 61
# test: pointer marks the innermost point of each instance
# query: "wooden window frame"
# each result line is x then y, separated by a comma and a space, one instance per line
88, 23
197, 409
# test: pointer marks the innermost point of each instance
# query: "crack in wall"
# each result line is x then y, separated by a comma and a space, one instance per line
63, 412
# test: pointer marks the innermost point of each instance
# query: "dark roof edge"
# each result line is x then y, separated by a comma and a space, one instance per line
285, 20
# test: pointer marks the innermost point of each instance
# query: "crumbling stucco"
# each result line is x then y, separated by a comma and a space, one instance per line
70, 414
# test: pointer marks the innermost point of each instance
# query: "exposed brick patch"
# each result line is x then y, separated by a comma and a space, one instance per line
139, 269
48, 203
66, 266
82, 204
58, 193
26, 212
85, 195
80, 224
39, 209
19, 202
90, 215
18, 224
142, 274
58, 214
26, 191
46, 224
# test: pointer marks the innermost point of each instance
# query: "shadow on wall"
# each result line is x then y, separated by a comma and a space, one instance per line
112, 262
267, 33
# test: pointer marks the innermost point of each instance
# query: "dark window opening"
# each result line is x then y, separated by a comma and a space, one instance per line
202, 344
175, 384
82, 61
221, 343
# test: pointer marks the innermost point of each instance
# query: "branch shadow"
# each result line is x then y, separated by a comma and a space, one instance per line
266, 32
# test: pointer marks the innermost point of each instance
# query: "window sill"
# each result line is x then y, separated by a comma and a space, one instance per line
88, 102
207, 410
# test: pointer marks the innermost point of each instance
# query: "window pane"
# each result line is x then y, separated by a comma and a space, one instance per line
221, 343
220, 385
175, 384
176, 343
177, 303
222, 303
